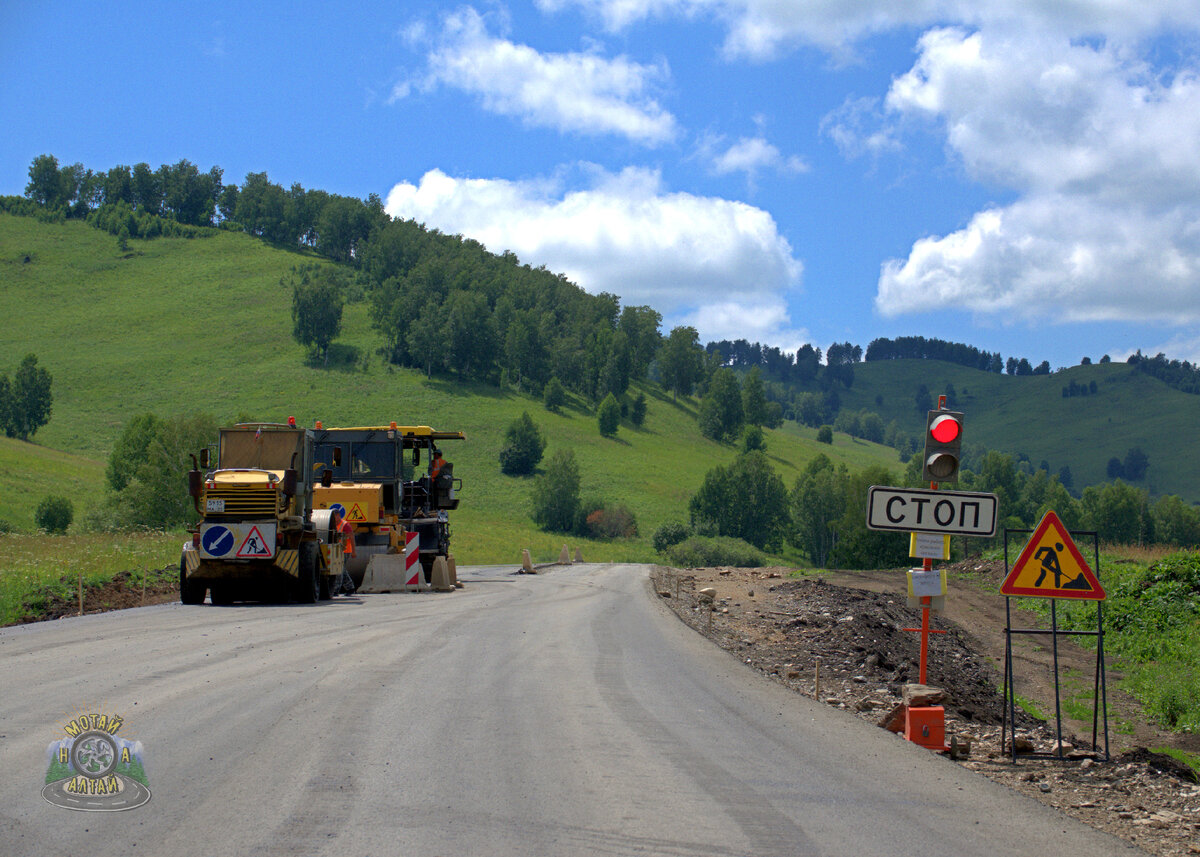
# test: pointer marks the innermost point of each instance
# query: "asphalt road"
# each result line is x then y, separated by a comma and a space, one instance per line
559, 714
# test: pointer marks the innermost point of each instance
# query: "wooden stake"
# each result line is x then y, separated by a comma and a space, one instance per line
81, 593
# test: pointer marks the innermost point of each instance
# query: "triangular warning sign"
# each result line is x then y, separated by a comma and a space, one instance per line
1050, 566
254, 545
356, 513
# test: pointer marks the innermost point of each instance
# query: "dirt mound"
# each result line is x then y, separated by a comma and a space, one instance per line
119, 593
1160, 762
865, 640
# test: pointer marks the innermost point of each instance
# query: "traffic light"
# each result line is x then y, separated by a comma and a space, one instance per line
943, 446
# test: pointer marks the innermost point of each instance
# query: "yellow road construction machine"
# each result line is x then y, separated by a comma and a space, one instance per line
394, 491
259, 536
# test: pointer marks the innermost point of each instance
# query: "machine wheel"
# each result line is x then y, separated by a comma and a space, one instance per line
190, 592
308, 583
222, 594
325, 587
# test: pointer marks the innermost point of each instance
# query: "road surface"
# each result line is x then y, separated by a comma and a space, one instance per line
558, 714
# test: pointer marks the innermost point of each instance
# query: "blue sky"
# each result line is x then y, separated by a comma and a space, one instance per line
1021, 175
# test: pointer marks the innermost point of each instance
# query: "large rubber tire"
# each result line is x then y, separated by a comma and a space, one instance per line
308, 581
222, 594
325, 593
190, 592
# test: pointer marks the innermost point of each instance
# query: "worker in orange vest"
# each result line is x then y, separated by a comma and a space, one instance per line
347, 530
437, 465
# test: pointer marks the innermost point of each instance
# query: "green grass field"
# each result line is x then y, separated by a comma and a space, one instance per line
29, 472
176, 326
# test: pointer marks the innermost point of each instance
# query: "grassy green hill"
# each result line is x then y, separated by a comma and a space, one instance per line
29, 472
176, 326
1029, 415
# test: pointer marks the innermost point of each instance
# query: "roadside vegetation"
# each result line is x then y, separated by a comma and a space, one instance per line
1151, 631
38, 568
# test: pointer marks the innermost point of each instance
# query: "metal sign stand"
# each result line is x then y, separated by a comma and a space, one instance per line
1100, 687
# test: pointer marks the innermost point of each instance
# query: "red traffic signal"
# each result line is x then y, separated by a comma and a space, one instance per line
943, 446
946, 428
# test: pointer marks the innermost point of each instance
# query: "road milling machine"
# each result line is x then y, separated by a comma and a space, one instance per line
259, 536
394, 490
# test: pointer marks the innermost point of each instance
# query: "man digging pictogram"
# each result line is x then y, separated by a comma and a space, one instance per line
1049, 559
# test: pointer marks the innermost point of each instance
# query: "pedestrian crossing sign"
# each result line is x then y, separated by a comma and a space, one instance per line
1050, 566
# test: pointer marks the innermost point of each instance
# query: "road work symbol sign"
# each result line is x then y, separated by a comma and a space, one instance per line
1050, 566
356, 513
254, 546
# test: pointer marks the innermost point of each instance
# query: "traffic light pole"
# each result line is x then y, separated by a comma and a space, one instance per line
927, 600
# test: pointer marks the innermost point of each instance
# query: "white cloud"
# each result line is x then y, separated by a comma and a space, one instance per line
1050, 259
765, 321
859, 127
762, 29
752, 155
686, 255
1183, 346
1039, 115
568, 92
1106, 157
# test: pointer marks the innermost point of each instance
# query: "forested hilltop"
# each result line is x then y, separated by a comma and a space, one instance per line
445, 305
499, 320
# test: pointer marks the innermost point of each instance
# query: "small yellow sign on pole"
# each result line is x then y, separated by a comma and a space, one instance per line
929, 545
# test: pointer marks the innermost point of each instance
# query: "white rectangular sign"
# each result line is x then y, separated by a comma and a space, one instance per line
929, 545
917, 510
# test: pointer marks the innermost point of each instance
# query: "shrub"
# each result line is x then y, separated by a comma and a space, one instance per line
637, 414
554, 397
608, 415
670, 533
102, 519
825, 434
556, 493
721, 416
746, 500
523, 447
54, 514
752, 439
700, 552
611, 522
151, 496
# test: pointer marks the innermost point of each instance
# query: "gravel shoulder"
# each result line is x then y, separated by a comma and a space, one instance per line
840, 637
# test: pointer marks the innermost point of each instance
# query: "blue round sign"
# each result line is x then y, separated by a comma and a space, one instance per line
217, 541
339, 508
